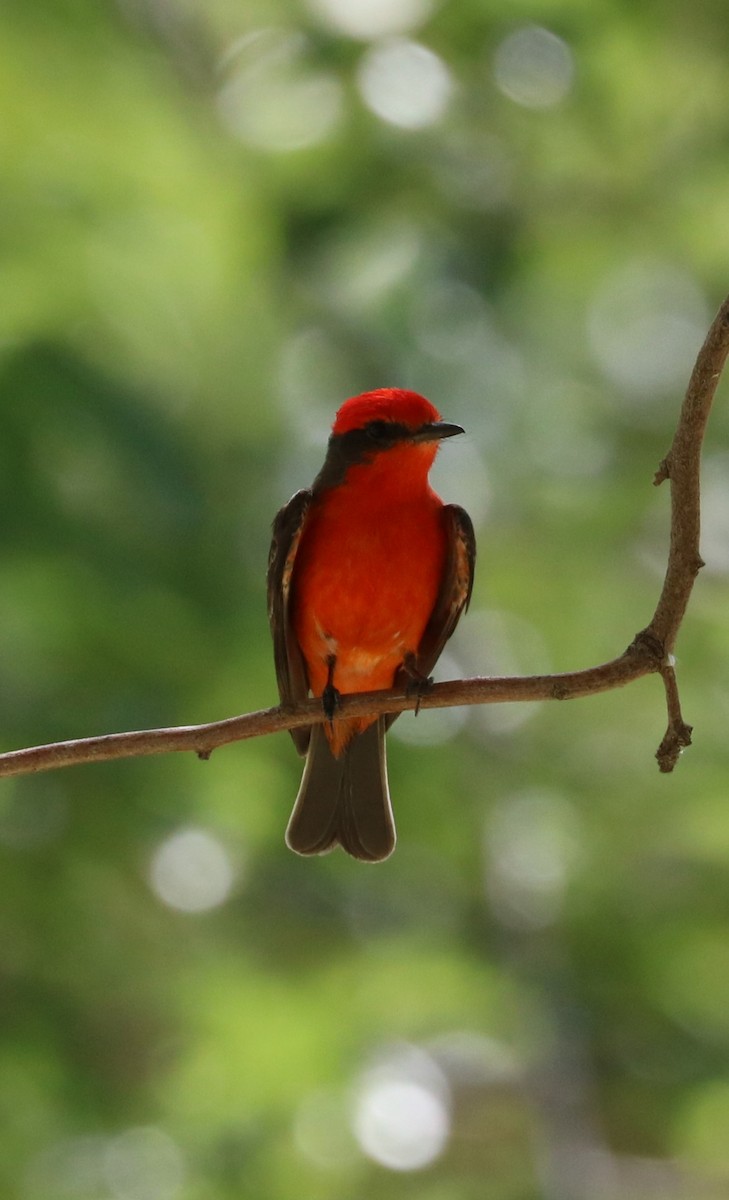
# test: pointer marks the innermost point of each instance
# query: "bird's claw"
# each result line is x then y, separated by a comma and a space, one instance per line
417, 683
331, 699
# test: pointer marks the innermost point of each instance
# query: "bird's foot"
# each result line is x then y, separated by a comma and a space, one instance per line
417, 683
331, 699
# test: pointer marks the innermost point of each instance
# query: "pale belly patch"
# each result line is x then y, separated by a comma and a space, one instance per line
360, 663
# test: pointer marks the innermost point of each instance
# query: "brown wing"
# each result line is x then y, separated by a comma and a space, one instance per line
455, 591
293, 684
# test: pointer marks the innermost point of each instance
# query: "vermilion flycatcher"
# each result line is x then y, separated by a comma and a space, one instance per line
368, 574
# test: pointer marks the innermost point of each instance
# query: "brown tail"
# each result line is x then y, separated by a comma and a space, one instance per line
344, 801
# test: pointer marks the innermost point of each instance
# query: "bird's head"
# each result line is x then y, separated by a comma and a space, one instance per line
391, 426
393, 415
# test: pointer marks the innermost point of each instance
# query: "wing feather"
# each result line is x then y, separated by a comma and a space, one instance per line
454, 595
293, 684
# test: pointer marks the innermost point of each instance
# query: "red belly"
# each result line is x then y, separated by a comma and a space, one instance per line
364, 589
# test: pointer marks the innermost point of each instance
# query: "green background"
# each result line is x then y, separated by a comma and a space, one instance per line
219, 218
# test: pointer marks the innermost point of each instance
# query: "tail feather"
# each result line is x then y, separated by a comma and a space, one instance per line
344, 801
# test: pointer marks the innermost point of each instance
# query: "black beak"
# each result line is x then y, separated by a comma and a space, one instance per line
435, 431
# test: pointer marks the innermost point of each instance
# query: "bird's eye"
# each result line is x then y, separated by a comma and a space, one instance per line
377, 430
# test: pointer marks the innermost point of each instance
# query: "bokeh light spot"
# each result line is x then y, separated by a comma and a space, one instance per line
534, 67
531, 845
401, 1125
143, 1164
401, 1116
645, 324
192, 871
273, 99
68, 1169
404, 84
370, 19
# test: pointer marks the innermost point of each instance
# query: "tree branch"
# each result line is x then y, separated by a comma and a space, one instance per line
203, 739
649, 653
682, 465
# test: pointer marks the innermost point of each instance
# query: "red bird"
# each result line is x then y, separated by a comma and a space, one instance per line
368, 574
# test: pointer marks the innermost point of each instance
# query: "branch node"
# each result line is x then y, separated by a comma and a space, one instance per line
663, 472
647, 646
558, 691
203, 755
675, 741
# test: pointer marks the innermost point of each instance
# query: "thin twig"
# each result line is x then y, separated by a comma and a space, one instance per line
649, 652
678, 735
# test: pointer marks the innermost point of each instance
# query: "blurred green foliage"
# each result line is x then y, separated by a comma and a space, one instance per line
217, 220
